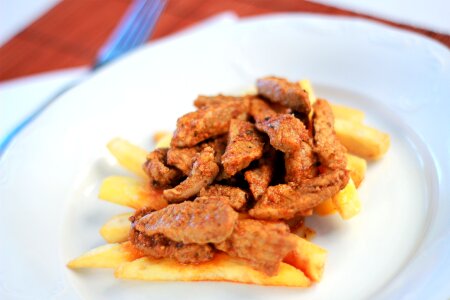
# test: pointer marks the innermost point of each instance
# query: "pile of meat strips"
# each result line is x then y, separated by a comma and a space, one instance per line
239, 171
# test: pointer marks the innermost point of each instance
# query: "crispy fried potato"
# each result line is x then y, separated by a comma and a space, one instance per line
325, 208
221, 268
357, 167
106, 256
157, 136
164, 142
117, 228
362, 140
347, 113
307, 257
131, 192
129, 156
306, 85
347, 201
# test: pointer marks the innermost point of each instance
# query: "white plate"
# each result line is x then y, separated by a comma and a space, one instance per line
397, 246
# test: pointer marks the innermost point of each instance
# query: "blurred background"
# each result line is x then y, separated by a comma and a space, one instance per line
43, 35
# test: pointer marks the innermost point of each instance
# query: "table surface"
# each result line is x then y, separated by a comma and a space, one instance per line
71, 33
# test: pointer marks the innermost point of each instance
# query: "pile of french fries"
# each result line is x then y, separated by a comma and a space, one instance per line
300, 268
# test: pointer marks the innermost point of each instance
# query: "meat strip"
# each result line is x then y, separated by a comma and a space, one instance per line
183, 158
205, 220
285, 201
245, 144
237, 198
285, 132
207, 122
158, 246
202, 100
260, 110
330, 151
204, 170
300, 164
160, 175
279, 90
259, 178
262, 244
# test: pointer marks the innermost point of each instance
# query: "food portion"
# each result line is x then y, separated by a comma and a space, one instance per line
227, 195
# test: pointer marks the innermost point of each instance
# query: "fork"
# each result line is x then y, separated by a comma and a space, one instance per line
133, 30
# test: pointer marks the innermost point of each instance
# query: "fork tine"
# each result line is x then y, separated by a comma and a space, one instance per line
134, 29
149, 25
141, 29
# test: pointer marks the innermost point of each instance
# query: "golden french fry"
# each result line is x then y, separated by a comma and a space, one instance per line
306, 85
157, 136
129, 156
117, 228
221, 268
347, 201
347, 113
362, 140
165, 140
131, 192
357, 167
106, 256
325, 208
308, 257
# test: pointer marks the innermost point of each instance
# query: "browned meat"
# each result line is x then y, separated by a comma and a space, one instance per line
207, 122
213, 100
158, 246
279, 90
205, 220
280, 108
260, 110
204, 170
237, 198
183, 158
160, 175
262, 244
300, 164
285, 132
330, 151
219, 145
285, 201
245, 144
259, 178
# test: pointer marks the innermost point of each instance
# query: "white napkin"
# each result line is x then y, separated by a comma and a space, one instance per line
20, 97
427, 14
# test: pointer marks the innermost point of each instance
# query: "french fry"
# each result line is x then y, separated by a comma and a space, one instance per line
117, 228
357, 167
165, 140
306, 85
106, 256
221, 268
347, 113
131, 192
308, 257
347, 201
362, 140
157, 136
325, 208
129, 156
